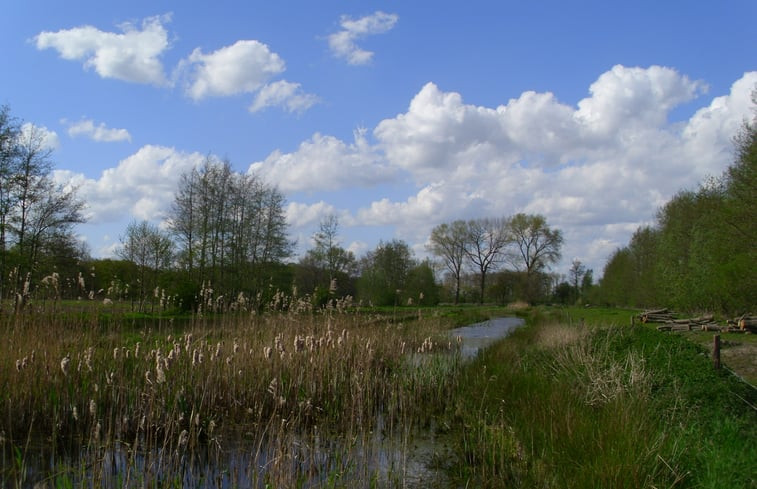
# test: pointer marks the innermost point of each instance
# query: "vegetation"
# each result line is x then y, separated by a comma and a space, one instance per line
570, 402
526, 241
89, 397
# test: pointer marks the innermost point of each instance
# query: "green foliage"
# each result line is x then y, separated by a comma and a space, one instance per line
384, 274
557, 405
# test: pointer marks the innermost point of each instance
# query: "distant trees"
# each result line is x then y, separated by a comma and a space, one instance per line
483, 245
448, 243
390, 275
536, 247
327, 268
152, 251
229, 227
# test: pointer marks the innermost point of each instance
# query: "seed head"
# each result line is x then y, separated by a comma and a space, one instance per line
64, 364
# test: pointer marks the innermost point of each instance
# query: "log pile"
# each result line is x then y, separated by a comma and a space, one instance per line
656, 316
743, 324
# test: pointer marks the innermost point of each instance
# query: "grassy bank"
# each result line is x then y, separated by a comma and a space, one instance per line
582, 399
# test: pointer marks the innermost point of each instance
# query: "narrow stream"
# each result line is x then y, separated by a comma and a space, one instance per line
480, 335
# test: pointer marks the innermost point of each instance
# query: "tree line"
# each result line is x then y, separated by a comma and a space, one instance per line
524, 241
700, 255
225, 239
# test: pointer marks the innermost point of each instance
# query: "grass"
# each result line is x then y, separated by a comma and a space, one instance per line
596, 403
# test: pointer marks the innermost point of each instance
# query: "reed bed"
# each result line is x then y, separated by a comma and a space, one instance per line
282, 398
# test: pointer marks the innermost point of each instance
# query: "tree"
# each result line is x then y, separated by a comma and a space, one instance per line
485, 243
536, 247
384, 273
576, 274
34, 212
151, 249
9, 130
448, 242
327, 267
420, 286
230, 227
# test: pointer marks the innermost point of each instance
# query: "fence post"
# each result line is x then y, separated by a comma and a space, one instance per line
716, 351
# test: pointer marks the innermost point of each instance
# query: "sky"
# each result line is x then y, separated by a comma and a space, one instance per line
394, 116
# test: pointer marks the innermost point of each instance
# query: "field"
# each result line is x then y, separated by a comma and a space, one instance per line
349, 397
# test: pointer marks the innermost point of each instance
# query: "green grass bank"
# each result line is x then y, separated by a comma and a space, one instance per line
579, 398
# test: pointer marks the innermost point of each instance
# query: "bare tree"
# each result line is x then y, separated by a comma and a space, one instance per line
227, 224
151, 249
448, 242
536, 246
486, 240
576, 274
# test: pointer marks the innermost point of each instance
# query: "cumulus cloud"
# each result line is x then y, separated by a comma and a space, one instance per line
597, 170
325, 163
132, 55
99, 133
285, 94
342, 43
242, 67
142, 185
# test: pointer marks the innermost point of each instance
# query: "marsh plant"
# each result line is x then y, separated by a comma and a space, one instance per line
285, 397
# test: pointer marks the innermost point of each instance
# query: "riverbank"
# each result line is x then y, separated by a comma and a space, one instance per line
598, 403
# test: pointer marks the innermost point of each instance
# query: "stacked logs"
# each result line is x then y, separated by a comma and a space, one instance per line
742, 324
656, 316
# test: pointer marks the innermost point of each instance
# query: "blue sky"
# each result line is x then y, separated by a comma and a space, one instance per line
395, 116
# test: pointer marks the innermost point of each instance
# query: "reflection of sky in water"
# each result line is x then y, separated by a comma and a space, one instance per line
480, 335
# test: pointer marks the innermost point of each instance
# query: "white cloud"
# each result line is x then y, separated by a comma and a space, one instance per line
142, 185
635, 96
99, 133
598, 170
39, 136
303, 215
242, 67
342, 43
283, 93
325, 163
132, 55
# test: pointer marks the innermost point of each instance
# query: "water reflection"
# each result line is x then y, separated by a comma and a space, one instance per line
480, 335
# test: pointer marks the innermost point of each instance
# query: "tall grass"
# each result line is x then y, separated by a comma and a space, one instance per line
559, 405
300, 394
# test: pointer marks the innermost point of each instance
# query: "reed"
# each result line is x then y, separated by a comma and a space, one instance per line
298, 392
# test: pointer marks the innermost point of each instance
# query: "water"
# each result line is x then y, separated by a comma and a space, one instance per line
480, 335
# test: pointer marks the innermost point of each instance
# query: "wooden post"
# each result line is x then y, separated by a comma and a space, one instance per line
716, 351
